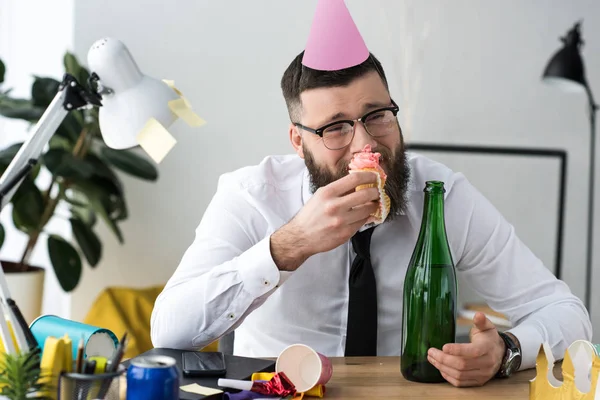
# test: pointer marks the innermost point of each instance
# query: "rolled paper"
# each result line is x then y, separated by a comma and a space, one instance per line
279, 385
235, 384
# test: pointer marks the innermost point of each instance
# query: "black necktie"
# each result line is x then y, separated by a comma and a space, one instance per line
361, 336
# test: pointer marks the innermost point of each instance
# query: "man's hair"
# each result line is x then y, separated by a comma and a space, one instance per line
297, 78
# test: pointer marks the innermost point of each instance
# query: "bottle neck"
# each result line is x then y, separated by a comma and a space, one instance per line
433, 211
433, 227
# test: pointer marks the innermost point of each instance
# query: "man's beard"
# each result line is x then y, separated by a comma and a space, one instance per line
397, 171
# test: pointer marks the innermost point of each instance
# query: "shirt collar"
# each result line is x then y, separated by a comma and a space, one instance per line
306, 193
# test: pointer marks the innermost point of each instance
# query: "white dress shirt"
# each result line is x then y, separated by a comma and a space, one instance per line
228, 280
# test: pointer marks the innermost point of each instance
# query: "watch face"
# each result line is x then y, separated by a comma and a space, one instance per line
513, 363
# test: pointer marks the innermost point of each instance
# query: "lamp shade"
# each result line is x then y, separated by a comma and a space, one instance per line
131, 98
565, 69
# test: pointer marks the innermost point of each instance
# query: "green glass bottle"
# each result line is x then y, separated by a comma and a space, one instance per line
430, 292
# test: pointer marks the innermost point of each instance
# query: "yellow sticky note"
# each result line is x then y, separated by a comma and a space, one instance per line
182, 108
155, 140
171, 84
68, 363
197, 389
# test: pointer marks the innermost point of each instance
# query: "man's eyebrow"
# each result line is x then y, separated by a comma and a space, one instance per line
376, 104
336, 116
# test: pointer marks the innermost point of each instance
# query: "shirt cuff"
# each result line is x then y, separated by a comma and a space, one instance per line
531, 340
258, 270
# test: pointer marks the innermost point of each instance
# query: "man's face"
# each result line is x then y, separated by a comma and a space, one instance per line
324, 105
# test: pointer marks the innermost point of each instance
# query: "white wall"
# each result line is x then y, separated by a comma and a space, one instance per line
34, 35
469, 70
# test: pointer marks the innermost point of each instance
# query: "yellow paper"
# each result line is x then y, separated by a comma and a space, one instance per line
171, 84
197, 389
68, 362
54, 361
546, 387
182, 108
155, 140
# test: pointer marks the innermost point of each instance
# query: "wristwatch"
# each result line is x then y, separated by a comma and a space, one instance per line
512, 356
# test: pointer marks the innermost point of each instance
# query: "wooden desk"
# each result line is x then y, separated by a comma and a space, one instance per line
380, 377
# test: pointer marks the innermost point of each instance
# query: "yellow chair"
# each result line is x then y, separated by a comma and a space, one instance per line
121, 309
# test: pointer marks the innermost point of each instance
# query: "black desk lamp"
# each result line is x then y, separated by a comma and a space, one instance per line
566, 71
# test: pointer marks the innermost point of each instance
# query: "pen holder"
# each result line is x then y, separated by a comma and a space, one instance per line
107, 386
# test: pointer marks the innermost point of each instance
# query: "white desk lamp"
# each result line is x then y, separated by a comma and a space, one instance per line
128, 100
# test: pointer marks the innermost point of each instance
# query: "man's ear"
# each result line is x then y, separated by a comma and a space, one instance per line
296, 139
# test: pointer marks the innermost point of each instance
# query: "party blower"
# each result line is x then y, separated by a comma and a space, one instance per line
135, 109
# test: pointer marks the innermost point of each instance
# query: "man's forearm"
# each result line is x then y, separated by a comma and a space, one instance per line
287, 248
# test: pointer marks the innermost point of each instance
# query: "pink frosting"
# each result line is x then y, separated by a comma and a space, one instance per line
365, 159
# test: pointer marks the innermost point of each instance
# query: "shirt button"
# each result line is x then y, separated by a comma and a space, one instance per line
266, 282
231, 316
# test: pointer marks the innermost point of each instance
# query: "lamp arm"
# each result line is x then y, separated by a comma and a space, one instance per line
592, 102
70, 96
32, 147
593, 107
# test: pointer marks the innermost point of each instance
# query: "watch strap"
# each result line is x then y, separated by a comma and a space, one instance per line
512, 352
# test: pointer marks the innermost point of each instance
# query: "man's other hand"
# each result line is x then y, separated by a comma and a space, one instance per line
471, 364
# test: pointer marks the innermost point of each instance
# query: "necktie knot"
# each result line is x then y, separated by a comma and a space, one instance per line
361, 243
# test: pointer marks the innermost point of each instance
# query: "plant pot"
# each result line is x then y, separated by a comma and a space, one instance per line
26, 288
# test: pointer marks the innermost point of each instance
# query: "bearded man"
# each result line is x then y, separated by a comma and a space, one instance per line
273, 255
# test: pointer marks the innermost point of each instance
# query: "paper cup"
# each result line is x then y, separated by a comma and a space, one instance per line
305, 367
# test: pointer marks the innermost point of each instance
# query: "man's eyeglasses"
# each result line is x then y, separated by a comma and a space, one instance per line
339, 134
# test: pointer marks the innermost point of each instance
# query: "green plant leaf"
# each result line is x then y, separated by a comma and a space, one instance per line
65, 261
7, 154
2, 235
100, 201
2, 71
83, 212
60, 142
28, 206
22, 378
73, 67
102, 209
108, 182
83, 77
102, 170
43, 91
63, 163
130, 163
87, 240
71, 126
71, 64
20, 109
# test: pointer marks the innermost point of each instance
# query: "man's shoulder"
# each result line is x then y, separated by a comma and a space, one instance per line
423, 169
277, 171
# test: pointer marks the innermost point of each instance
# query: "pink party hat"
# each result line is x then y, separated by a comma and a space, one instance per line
334, 41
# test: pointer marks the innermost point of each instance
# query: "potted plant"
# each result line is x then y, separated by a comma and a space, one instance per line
21, 377
83, 183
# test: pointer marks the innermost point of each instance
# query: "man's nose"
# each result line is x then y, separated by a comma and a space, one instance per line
361, 138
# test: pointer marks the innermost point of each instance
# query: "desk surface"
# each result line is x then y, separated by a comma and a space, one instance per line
375, 377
